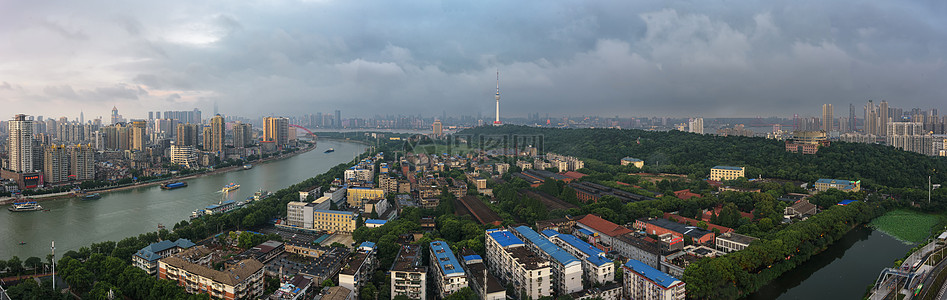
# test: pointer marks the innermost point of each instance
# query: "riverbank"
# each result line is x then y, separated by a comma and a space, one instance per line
66, 195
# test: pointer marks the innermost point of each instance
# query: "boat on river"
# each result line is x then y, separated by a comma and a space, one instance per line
25, 206
84, 196
330, 150
230, 187
173, 185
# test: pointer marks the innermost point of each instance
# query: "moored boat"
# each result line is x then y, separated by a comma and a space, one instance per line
247, 166
173, 185
89, 196
330, 150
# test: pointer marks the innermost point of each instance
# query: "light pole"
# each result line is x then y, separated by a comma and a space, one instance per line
52, 247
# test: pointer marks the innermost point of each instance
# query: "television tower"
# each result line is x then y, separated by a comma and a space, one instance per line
497, 121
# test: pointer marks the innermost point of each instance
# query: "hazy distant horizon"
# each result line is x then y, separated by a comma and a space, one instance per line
576, 58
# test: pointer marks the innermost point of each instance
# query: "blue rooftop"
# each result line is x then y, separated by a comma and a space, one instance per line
847, 202
631, 159
445, 259
150, 252
474, 257
504, 238
585, 231
550, 233
728, 168
376, 221
367, 245
647, 271
596, 256
545, 245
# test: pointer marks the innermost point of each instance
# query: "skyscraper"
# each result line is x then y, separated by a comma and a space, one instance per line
217, 133
186, 135
828, 117
20, 142
82, 162
139, 135
871, 119
851, 118
55, 164
338, 119
242, 134
438, 128
276, 129
883, 118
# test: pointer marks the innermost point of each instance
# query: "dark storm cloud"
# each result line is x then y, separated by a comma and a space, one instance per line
628, 58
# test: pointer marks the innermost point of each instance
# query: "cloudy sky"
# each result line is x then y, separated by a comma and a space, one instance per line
629, 58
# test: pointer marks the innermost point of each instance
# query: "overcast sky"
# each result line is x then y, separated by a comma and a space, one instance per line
628, 58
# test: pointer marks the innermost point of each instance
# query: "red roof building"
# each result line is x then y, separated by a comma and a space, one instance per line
573, 174
603, 226
708, 213
686, 194
692, 222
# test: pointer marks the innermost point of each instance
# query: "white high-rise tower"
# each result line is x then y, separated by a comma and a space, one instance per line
497, 121
21, 144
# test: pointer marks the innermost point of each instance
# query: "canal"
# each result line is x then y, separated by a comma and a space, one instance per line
843, 271
74, 223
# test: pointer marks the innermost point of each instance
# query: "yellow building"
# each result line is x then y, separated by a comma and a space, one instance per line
726, 173
632, 161
334, 220
356, 195
843, 185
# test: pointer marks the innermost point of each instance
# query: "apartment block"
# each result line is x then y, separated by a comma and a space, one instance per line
643, 282
566, 269
595, 266
516, 265
726, 173
408, 275
449, 276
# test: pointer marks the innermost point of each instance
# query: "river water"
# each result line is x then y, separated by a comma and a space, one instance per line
74, 223
843, 271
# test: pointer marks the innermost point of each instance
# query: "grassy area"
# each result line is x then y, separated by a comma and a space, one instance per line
906, 225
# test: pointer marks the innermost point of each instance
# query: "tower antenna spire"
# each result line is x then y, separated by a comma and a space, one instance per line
497, 121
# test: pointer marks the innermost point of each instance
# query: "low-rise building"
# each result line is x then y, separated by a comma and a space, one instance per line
243, 280
516, 265
732, 242
802, 209
677, 230
644, 282
566, 268
408, 275
726, 173
147, 258
482, 282
299, 214
334, 220
449, 276
359, 269
356, 196
632, 161
610, 291
839, 184
595, 266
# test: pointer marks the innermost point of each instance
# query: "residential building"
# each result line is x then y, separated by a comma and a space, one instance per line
732, 242
646, 283
82, 162
184, 155
359, 268
276, 129
187, 134
217, 133
516, 265
828, 117
839, 184
408, 275
242, 135
243, 280
696, 125
449, 275
719, 173
357, 174
606, 231
139, 135
632, 161
20, 144
482, 282
334, 220
147, 258
802, 209
566, 269
338, 293
595, 266
55, 164
807, 142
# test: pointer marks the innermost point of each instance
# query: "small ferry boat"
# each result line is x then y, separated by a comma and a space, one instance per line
173, 185
25, 206
330, 150
230, 187
247, 166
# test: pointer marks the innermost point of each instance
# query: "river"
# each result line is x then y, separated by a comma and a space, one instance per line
74, 223
843, 271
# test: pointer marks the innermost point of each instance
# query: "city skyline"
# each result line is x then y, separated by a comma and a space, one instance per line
277, 58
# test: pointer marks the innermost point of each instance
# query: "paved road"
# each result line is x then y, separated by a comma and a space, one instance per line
929, 280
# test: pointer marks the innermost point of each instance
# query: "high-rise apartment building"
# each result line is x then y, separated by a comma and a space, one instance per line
206, 138
883, 118
851, 118
139, 135
696, 125
217, 132
20, 141
242, 135
338, 119
276, 129
438, 128
828, 117
82, 162
187, 134
55, 164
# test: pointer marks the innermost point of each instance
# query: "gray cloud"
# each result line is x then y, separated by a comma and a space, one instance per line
569, 57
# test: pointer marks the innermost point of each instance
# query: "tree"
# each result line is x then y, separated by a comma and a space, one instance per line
465, 293
401, 297
15, 265
34, 263
327, 283
368, 292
